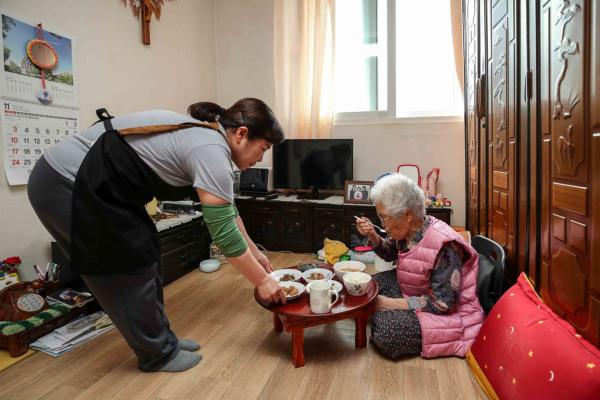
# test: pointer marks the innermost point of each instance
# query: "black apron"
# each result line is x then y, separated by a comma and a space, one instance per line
111, 231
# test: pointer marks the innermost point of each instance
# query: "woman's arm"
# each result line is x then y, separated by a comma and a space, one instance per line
224, 228
260, 257
445, 282
384, 248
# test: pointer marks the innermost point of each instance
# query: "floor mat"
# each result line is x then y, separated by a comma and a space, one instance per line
6, 360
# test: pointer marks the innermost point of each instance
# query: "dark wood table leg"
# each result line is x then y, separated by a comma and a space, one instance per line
360, 338
298, 347
277, 325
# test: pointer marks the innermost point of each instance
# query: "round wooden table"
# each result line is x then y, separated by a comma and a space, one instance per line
296, 315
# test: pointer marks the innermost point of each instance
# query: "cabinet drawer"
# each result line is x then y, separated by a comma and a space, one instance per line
328, 213
265, 208
176, 237
178, 262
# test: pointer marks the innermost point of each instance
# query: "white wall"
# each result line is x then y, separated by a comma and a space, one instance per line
244, 47
114, 70
244, 37
379, 148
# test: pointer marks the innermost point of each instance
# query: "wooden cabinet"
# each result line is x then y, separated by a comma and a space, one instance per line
491, 104
328, 223
569, 274
182, 248
533, 145
302, 226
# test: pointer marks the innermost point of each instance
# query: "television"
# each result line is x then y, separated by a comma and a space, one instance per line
313, 164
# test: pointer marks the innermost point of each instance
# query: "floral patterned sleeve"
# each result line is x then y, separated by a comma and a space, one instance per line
445, 282
387, 249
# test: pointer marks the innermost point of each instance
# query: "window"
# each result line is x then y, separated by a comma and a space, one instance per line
394, 59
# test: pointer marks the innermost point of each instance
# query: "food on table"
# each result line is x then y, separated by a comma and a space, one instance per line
316, 276
290, 291
287, 277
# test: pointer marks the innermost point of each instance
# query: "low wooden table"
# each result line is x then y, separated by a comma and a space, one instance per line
296, 315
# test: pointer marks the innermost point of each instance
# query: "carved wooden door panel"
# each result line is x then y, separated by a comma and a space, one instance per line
474, 110
501, 134
570, 276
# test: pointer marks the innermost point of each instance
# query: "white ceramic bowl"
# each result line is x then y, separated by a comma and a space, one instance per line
357, 283
343, 267
300, 287
210, 265
283, 275
327, 274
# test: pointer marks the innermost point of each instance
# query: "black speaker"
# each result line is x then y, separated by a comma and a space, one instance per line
256, 181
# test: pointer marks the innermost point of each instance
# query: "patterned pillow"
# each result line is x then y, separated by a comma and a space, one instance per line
525, 351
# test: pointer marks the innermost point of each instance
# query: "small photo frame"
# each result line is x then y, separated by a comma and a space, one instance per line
357, 192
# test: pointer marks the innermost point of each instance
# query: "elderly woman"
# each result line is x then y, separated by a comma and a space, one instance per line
428, 305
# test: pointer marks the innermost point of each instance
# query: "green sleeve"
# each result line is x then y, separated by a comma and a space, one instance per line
220, 221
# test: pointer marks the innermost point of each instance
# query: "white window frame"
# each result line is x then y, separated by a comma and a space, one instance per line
389, 116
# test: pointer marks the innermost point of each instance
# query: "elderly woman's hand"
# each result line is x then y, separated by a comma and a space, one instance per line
384, 303
365, 228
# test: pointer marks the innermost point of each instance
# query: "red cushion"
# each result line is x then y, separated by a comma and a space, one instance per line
525, 351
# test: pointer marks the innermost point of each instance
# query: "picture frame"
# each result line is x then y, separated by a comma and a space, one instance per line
357, 192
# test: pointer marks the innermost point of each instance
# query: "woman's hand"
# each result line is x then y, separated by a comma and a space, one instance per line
365, 228
264, 261
270, 290
384, 303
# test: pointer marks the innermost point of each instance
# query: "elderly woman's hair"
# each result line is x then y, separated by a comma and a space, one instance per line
398, 194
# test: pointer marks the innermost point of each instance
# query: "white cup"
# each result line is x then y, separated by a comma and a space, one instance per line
322, 297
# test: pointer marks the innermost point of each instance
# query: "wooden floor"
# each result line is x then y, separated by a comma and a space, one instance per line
243, 357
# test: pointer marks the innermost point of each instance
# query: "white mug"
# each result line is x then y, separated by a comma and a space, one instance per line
321, 297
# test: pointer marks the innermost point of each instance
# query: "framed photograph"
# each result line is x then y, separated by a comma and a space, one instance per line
357, 192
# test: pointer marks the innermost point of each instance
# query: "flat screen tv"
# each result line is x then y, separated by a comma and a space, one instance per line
312, 164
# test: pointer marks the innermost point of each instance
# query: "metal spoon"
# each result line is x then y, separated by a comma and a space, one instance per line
380, 229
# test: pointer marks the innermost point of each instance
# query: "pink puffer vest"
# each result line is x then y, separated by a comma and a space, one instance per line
445, 334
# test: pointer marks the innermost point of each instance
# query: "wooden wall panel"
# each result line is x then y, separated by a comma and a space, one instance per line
545, 85
545, 214
559, 227
567, 281
500, 180
578, 235
568, 183
595, 68
567, 70
595, 228
500, 88
570, 197
473, 107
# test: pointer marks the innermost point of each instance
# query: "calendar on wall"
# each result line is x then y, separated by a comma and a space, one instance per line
39, 95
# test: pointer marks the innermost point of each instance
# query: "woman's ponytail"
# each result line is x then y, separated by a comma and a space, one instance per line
206, 111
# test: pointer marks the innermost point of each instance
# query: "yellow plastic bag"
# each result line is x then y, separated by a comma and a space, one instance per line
333, 250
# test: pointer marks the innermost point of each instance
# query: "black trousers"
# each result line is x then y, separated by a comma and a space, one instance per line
133, 301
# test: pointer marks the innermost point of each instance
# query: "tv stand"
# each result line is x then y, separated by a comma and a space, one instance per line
302, 226
314, 195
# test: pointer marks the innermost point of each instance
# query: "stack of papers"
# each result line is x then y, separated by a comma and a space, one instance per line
74, 334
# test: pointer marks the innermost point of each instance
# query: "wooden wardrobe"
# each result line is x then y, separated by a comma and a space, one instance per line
532, 126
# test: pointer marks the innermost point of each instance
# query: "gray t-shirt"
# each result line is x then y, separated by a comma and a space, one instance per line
199, 157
